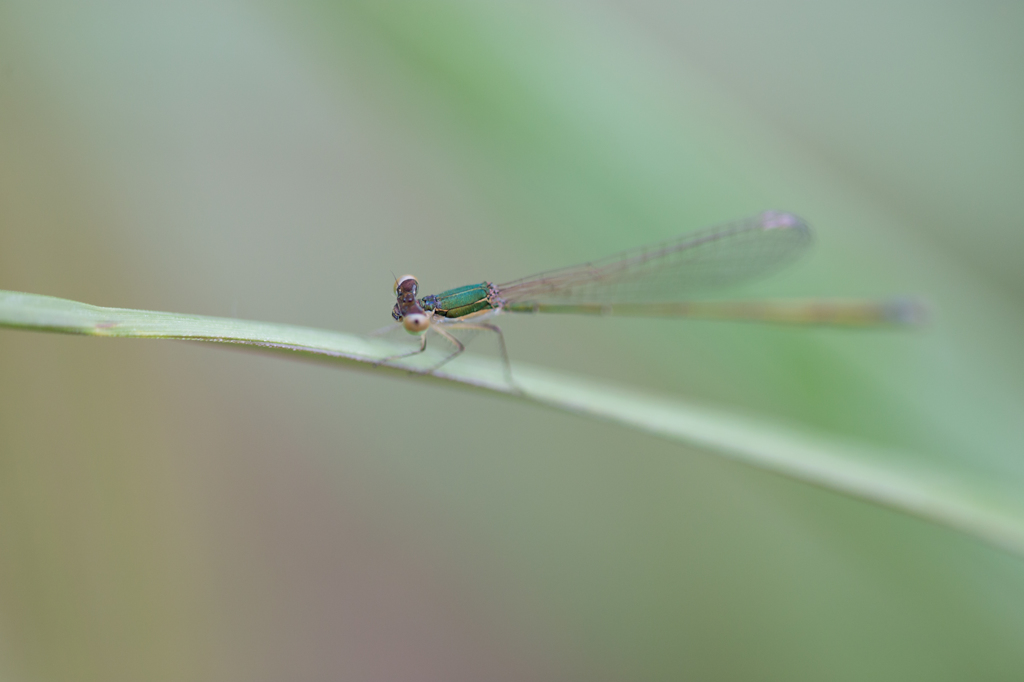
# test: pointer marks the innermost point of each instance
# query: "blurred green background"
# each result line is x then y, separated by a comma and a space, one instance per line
174, 512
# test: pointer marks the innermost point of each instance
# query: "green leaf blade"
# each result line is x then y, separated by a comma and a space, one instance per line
875, 476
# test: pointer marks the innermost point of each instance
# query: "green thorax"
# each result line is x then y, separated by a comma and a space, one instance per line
460, 301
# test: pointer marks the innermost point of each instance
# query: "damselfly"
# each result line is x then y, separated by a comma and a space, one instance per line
656, 280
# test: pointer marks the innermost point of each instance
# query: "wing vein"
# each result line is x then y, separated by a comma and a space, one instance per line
674, 269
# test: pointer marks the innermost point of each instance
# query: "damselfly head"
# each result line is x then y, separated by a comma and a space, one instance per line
407, 308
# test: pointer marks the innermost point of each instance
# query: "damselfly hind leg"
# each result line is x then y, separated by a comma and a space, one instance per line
460, 347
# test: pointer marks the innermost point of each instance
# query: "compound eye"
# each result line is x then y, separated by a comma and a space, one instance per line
400, 280
416, 323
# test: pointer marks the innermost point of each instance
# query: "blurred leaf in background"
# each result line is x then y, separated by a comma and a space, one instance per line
173, 512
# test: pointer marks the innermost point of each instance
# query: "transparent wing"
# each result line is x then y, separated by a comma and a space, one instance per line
672, 270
